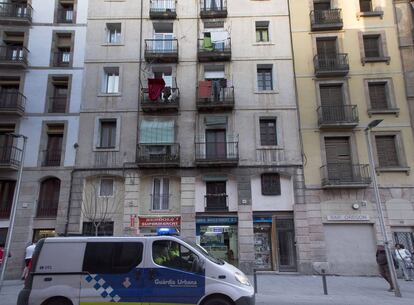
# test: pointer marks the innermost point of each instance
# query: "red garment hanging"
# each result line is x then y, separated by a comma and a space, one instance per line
155, 88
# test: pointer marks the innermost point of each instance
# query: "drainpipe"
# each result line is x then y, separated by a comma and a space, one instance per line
139, 73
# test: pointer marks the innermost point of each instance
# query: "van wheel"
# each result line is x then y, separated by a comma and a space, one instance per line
217, 301
58, 301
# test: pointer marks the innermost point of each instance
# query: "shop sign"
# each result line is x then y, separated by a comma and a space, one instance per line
216, 220
348, 217
174, 221
262, 219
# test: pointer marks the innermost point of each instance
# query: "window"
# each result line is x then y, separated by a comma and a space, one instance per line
264, 78
6, 197
262, 31
387, 151
106, 188
271, 184
174, 255
268, 132
372, 46
113, 31
161, 194
378, 95
48, 201
62, 48
104, 229
112, 258
111, 80
365, 5
107, 134
58, 94
53, 152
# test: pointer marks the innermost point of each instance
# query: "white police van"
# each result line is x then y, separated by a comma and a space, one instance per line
156, 270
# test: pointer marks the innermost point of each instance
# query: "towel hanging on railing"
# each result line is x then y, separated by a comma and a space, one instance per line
155, 88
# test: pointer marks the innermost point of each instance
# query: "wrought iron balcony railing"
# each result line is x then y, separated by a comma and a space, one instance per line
52, 157
12, 102
216, 202
169, 100
13, 55
161, 50
339, 116
162, 9
218, 99
217, 153
331, 65
10, 156
326, 20
218, 51
213, 8
344, 174
158, 155
17, 12
47, 208
65, 15
62, 58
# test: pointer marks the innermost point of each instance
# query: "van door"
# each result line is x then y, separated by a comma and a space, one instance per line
174, 274
113, 272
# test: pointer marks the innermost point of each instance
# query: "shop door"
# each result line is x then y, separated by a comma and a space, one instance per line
216, 144
285, 233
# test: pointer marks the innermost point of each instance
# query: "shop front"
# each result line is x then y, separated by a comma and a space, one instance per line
149, 225
218, 235
274, 242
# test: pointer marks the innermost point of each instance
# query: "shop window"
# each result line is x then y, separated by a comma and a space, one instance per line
271, 184
174, 255
112, 258
42, 233
262, 31
406, 239
106, 188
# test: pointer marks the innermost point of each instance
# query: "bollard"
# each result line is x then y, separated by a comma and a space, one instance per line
255, 280
325, 287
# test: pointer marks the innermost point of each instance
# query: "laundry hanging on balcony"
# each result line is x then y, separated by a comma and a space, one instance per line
155, 88
207, 44
157, 132
218, 36
204, 88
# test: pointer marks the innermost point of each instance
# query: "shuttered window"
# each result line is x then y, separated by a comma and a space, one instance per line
108, 134
331, 95
372, 46
378, 95
387, 151
271, 184
268, 132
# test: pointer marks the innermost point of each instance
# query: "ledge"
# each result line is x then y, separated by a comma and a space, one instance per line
370, 14
401, 169
395, 111
385, 59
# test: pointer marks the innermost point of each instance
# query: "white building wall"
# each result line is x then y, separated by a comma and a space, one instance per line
283, 202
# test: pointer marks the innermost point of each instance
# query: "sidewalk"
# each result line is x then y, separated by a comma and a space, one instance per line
299, 290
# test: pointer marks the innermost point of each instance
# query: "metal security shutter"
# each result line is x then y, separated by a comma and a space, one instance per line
378, 95
338, 157
386, 151
371, 46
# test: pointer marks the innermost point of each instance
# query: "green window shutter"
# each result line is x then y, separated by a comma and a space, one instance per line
157, 132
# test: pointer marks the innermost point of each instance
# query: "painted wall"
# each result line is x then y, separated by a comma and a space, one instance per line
231, 191
283, 202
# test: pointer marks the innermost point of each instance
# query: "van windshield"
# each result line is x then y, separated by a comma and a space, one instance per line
205, 253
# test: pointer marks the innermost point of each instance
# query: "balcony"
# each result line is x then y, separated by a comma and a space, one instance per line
52, 157
15, 13
342, 116
57, 104
216, 202
13, 57
208, 51
161, 50
213, 9
221, 99
158, 155
162, 9
12, 103
5, 209
345, 175
65, 15
217, 153
169, 101
331, 65
324, 20
10, 157
62, 59
47, 209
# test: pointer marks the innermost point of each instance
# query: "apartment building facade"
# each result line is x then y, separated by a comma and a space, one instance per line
41, 75
189, 120
349, 72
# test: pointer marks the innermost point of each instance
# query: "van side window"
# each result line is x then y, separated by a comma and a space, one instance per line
174, 255
112, 257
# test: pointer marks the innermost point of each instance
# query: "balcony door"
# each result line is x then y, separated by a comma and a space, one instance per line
327, 53
54, 149
6, 147
162, 5
216, 144
9, 96
163, 42
338, 157
60, 95
332, 102
48, 198
216, 196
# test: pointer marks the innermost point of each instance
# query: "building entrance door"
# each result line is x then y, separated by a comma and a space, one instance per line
285, 232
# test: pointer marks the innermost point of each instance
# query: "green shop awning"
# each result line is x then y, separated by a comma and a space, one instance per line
156, 132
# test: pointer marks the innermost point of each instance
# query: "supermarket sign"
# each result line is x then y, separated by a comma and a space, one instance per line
153, 222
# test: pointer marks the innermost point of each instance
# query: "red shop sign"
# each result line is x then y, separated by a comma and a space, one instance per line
174, 221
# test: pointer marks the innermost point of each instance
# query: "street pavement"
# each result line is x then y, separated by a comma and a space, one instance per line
299, 290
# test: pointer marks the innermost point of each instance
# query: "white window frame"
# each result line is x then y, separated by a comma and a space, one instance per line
161, 194
117, 34
97, 133
111, 80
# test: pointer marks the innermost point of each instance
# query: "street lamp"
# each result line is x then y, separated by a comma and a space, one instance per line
14, 209
390, 259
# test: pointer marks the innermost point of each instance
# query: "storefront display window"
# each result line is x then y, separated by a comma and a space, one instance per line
263, 246
43, 233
